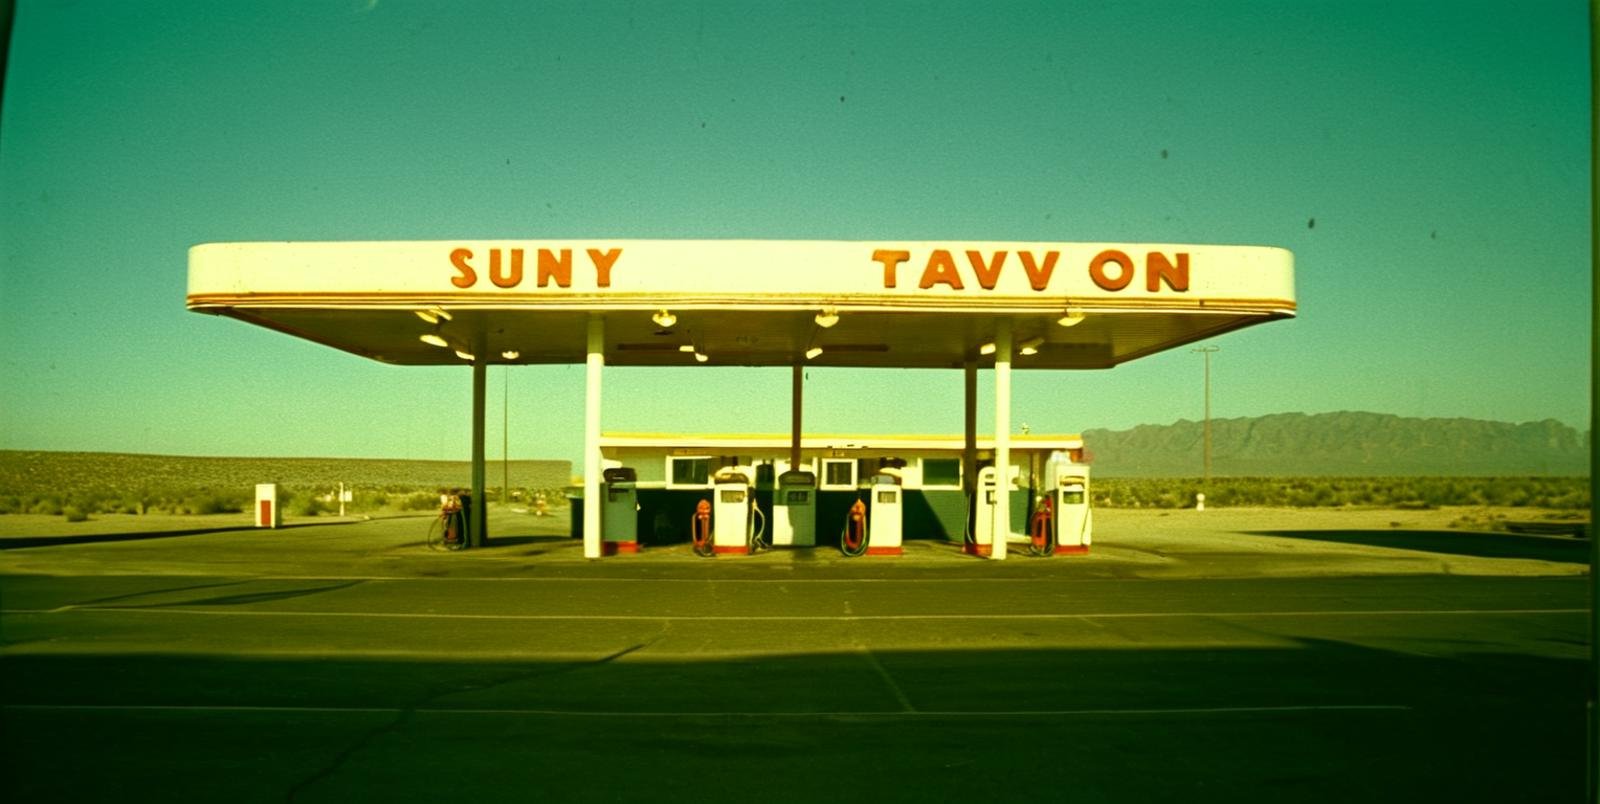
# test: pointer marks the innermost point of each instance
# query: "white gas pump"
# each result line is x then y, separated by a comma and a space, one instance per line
983, 519
1067, 489
619, 511
794, 510
734, 514
885, 518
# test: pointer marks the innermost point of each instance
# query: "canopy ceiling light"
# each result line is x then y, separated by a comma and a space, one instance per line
1030, 346
433, 339
1071, 318
686, 348
986, 349
511, 354
467, 356
433, 315
700, 358
827, 318
813, 352
664, 319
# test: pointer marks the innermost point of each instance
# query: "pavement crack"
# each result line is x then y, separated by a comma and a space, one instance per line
402, 717
888, 680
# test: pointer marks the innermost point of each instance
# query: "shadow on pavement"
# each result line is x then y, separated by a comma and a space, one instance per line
1312, 721
1452, 542
23, 542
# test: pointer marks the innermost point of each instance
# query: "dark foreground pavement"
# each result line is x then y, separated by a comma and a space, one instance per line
783, 682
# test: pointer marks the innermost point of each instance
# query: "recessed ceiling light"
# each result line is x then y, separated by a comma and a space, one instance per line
1030, 346
827, 318
813, 352
1072, 318
511, 354
700, 358
434, 340
664, 318
686, 348
465, 355
986, 349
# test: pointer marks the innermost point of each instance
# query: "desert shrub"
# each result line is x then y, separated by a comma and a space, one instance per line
420, 501
1414, 493
49, 506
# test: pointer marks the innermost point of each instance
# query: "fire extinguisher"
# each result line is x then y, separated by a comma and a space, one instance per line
853, 541
1042, 530
700, 529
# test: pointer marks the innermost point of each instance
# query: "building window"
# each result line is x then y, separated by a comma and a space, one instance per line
688, 472
838, 474
941, 473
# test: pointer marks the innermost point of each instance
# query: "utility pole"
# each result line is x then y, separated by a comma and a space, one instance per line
1207, 350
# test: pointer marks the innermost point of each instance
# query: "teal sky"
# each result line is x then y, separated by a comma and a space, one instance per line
1442, 151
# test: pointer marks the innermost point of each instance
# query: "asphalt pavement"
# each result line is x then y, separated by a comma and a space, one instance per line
1214, 660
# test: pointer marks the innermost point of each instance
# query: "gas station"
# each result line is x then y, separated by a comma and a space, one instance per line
959, 305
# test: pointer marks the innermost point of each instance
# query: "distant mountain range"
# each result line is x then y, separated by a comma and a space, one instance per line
1344, 443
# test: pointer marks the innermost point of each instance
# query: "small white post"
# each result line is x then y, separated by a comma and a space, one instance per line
1200, 501
341, 499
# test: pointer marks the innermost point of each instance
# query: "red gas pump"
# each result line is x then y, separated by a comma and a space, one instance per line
1042, 529
700, 529
449, 530
853, 542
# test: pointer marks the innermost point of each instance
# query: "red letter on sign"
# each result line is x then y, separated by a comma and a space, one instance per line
499, 280
550, 267
890, 259
468, 277
987, 274
941, 269
602, 265
1158, 270
1097, 270
1039, 276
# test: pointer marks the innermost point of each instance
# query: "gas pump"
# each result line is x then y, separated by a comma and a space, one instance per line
734, 514
877, 533
983, 519
1067, 492
794, 510
619, 512
884, 529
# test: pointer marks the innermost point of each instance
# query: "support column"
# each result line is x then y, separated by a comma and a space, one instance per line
969, 452
1002, 438
796, 404
480, 502
591, 437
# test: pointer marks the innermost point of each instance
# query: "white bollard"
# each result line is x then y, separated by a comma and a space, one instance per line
1200, 501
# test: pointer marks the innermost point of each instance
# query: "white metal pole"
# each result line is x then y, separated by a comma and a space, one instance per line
969, 448
480, 502
1002, 438
591, 437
